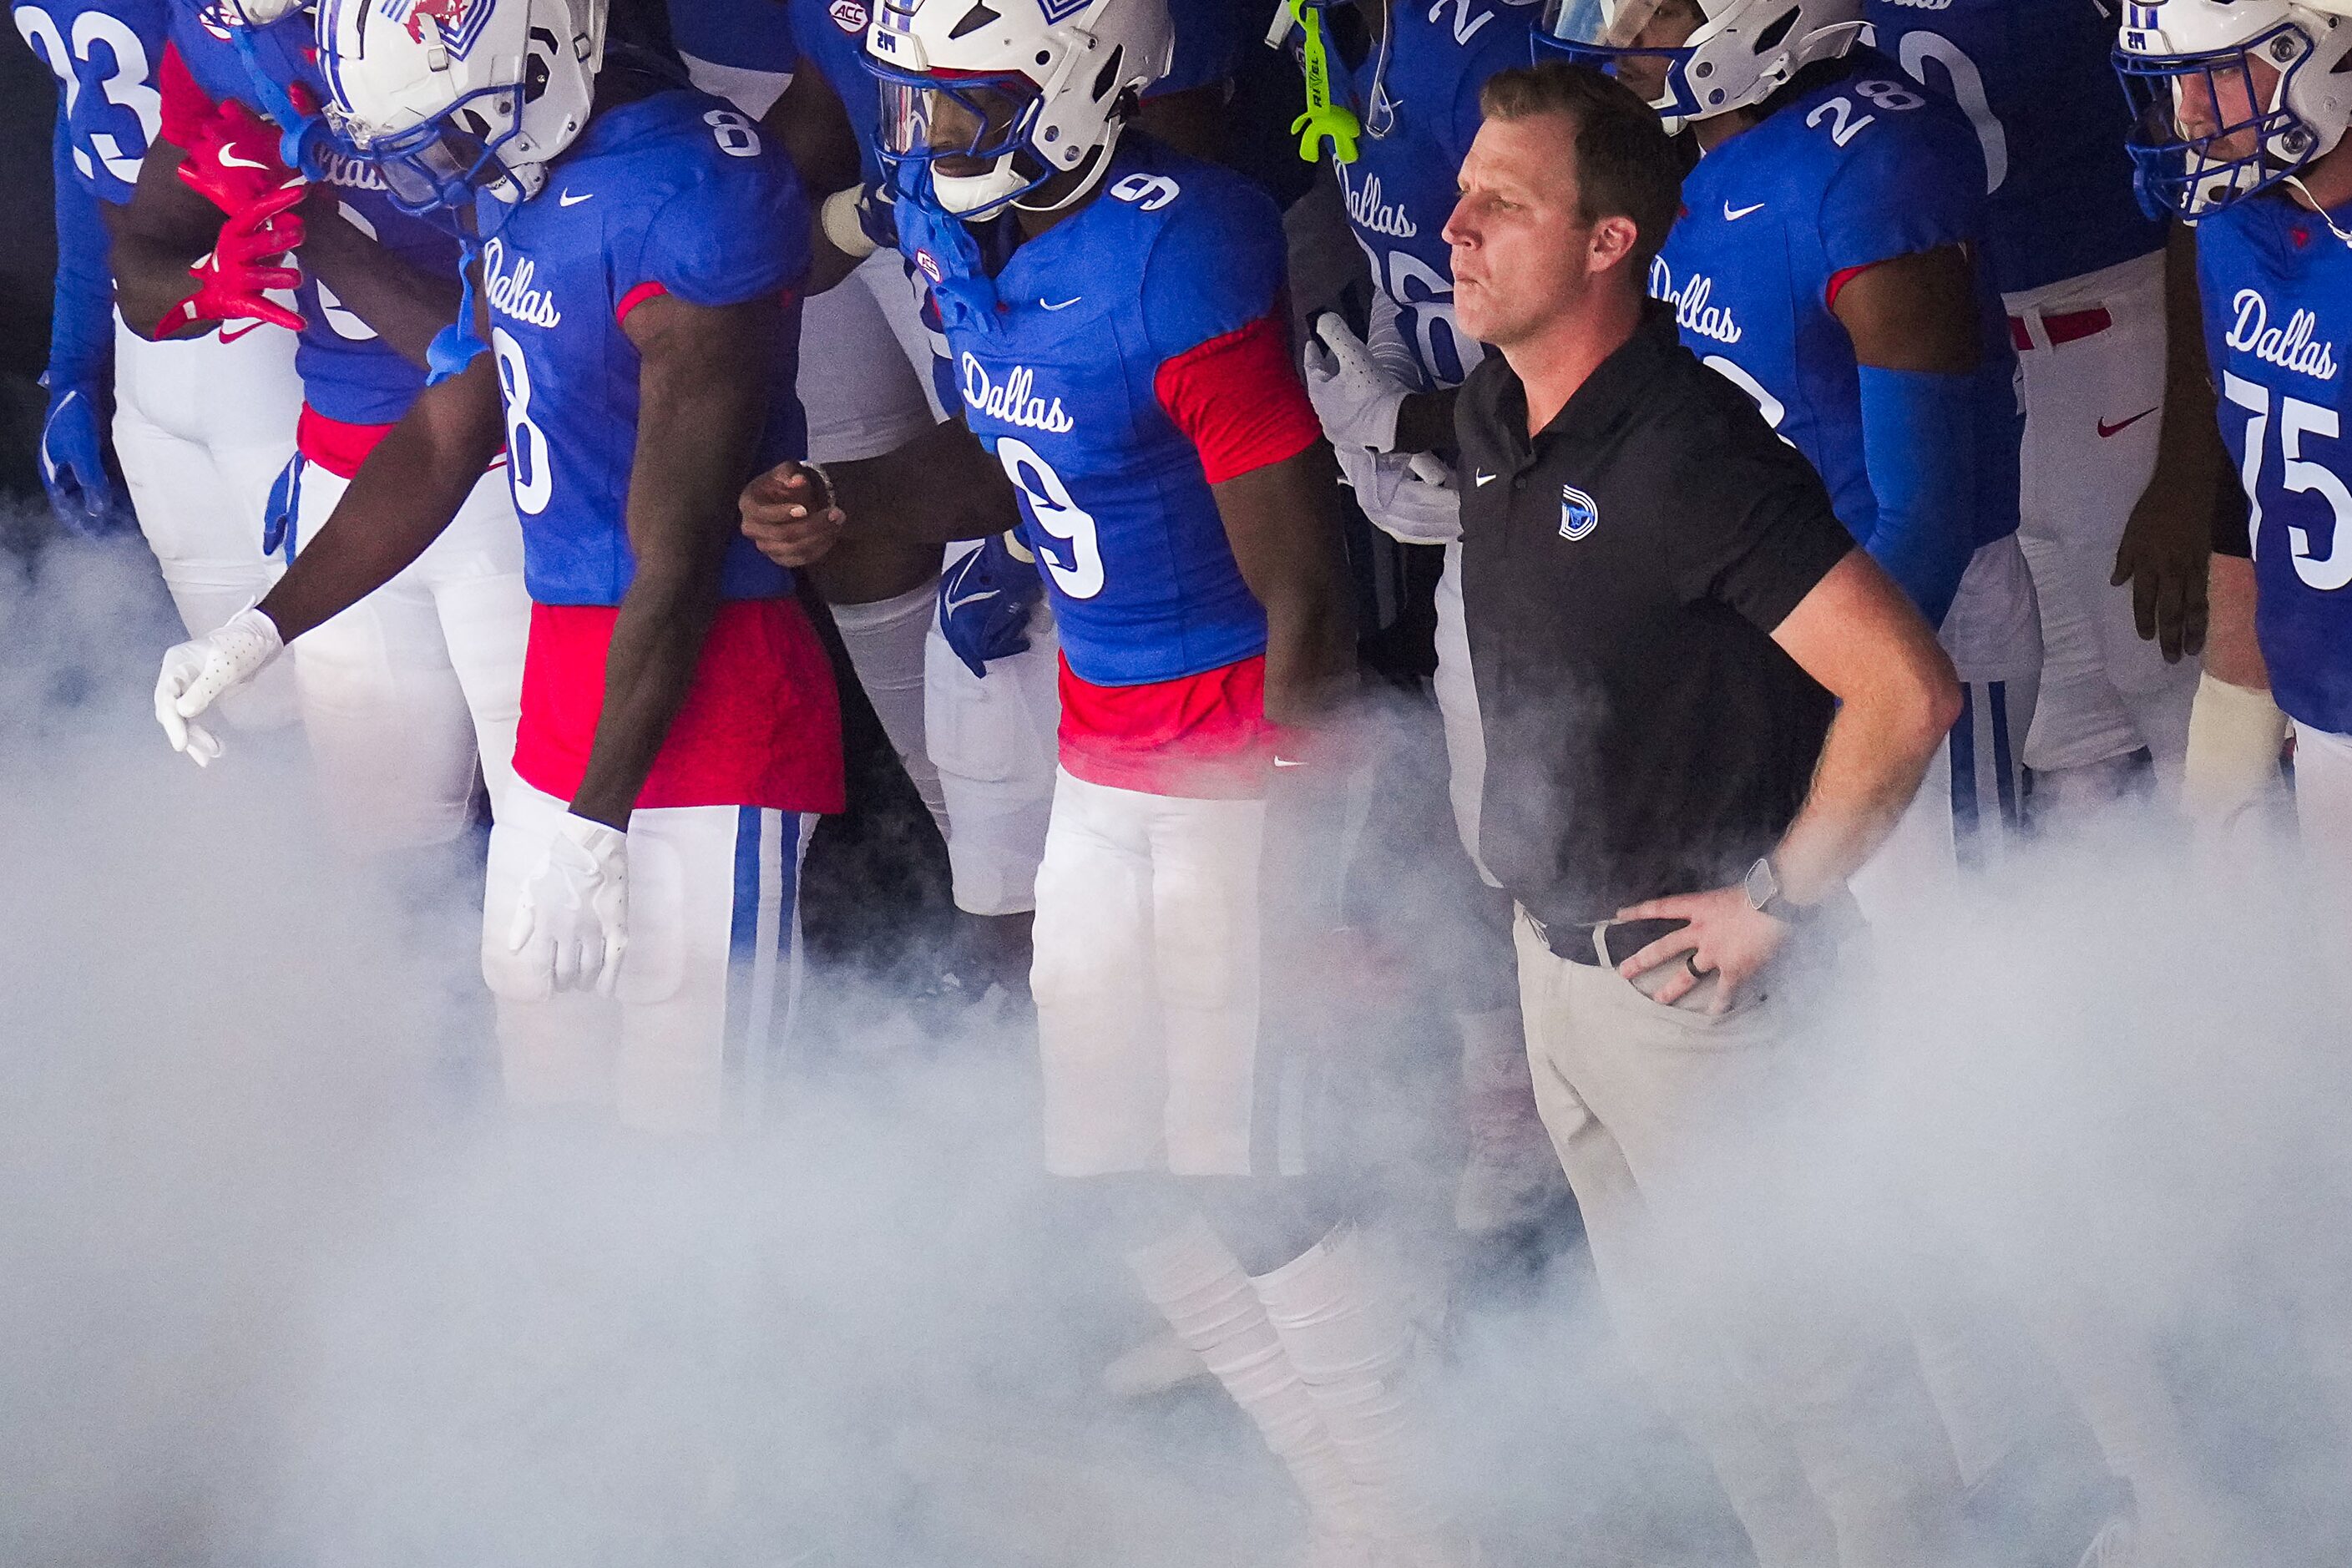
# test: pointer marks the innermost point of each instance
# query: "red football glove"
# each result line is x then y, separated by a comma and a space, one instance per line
234, 162
230, 281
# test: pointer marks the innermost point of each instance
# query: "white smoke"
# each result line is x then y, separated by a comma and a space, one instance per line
281, 1282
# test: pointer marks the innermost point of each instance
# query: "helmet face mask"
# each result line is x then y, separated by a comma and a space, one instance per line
1693, 59
443, 162
972, 130
456, 100
1002, 102
2229, 101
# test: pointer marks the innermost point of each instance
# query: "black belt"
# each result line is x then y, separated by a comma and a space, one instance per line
1624, 937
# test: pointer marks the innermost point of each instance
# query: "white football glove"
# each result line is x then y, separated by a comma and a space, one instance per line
1410, 499
1354, 396
577, 902
196, 673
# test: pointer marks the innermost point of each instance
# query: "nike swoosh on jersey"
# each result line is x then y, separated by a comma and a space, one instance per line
1733, 215
1485, 479
568, 200
2107, 429
1064, 305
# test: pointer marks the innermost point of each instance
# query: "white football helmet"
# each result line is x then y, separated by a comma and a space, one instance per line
1699, 59
451, 98
2232, 96
1015, 95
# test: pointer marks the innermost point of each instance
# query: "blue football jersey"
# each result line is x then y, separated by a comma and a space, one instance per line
2277, 288
1114, 497
347, 373
2034, 79
677, 194
1401, 187
1856, 169
105, 53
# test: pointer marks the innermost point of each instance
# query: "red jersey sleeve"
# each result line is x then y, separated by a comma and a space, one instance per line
186, 106
1239, 399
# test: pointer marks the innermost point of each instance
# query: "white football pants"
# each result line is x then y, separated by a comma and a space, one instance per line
1147, 982
888, 640
203, 427
2094, 419
1970, 810
406, 690
1457, 706
2322, 811
708, 987
995, 744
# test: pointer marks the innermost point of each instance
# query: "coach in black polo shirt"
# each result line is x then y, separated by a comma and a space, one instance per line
1703, 709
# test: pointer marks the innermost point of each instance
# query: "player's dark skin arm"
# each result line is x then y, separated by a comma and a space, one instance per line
1283, 527
156, 236
702, 388
1917, 313
402, 499
406, 305
165, 226
2165, 546
938, 487
814, 130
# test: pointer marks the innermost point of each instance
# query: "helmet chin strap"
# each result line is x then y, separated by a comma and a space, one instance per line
2324, 216
1092, 178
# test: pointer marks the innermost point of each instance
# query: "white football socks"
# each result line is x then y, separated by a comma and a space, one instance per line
1199, 1287
1349, 1341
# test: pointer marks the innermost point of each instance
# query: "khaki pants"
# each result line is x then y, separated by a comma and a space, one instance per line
1680, 1134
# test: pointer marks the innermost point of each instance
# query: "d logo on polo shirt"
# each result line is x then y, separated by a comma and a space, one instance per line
1580, 514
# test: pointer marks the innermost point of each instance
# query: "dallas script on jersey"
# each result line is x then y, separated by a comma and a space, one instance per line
510, 293
1374, 215
1013, 402
1692, 312
2289, 348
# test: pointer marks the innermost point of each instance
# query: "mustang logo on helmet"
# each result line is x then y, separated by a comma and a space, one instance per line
458, 23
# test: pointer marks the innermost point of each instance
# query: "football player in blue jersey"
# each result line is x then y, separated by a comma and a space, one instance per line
636, 247
408, 697
1386, 403
2242, 114
2121, 460
1120, 346
203, 425
1827, 263
965, 657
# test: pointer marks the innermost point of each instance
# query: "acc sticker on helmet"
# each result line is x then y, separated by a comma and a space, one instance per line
849, 15
1579, 514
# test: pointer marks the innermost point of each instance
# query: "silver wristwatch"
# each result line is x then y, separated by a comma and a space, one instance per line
1762, 886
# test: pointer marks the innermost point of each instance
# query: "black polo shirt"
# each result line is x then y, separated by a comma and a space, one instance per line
1621, 574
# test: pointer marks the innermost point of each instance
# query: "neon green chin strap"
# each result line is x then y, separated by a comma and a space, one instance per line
1324, 119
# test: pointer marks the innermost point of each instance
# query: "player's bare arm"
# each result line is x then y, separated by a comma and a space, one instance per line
1857, 635
1285, 534
702, 390
2167, 544
809, 123
940, 486
401, 500
1914, 313
404, 305
156, 236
